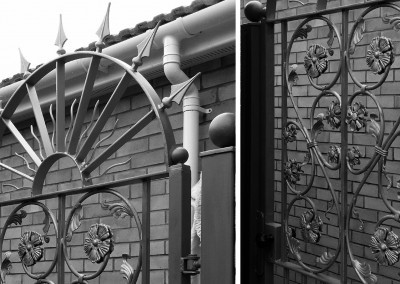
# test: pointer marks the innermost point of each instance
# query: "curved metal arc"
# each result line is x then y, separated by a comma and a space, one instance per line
152, 96
381, 134
9, 222
301, 263
351, 36
104, 263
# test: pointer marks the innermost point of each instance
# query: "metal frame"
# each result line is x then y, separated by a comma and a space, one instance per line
345, 113
81, 145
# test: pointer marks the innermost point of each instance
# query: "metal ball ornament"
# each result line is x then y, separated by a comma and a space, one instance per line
179, 155
222, 130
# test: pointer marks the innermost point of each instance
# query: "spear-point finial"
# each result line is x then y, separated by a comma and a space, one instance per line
104, 30
61, 38
177, 92
24, 64
144, 48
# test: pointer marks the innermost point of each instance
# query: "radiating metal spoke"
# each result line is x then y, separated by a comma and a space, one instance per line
83, 104
16, 171
22, 141
44, 135
120, 141
60, 109
101, 121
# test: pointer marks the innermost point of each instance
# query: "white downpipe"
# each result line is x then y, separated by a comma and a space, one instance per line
191, 101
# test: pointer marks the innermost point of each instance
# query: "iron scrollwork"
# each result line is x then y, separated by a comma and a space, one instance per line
380, 56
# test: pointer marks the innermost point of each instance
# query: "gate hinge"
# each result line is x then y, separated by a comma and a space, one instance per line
190, 264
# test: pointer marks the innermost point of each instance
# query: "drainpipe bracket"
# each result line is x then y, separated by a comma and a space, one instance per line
197, 108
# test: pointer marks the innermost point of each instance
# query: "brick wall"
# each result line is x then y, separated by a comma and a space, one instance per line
217, 91
369, 203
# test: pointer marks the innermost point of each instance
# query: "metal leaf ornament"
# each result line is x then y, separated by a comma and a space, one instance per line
385, 245
117, 209
293, 243
127, 270
302, 32
325, 258
373, 127
6, 266
364, 271
392, 20
293, 77
358, 35
75, 222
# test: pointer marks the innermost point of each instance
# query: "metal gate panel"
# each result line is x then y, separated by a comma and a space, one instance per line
335, 188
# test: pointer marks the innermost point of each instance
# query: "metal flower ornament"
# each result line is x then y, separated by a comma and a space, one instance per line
356, 116
385, 245
311, 226
98, 242
334, 154
333, 114
289, 133
380, 54
30, 248
315, 61
292, 171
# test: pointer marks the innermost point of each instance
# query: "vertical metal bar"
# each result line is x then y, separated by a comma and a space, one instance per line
146, 232
252, 91
60, 109
179, 222
61, 227
283, 145
344, 144
267, 147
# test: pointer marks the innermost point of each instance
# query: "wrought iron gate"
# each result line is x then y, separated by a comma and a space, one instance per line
333, 217
44, 250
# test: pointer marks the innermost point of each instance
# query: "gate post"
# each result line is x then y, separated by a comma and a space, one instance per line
218, 216
179, 221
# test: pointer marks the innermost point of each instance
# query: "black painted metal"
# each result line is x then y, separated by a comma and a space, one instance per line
252, 111
218, 216
179, 222
345, 209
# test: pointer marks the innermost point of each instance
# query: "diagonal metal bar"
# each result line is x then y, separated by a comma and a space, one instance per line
120, 141
16, 171
22, 141
60, 109
105, 114
83, 104
44, 135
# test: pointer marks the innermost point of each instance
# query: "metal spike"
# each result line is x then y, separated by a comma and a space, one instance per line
24, 63
104, 29
144, 48
177, 92
61, 38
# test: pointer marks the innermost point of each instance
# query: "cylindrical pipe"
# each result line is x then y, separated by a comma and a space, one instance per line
173, 72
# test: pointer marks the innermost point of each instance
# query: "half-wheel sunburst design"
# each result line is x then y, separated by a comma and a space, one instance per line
72, 140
